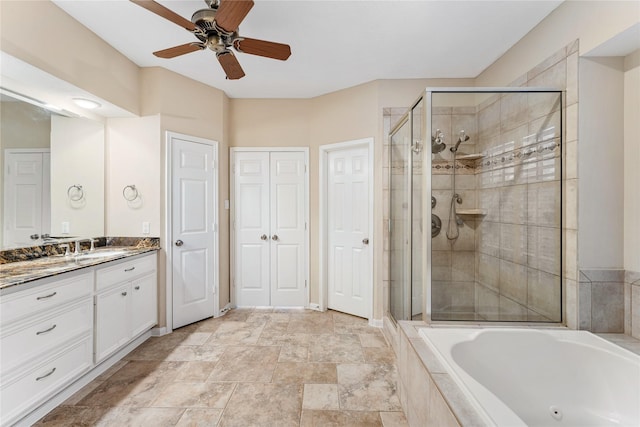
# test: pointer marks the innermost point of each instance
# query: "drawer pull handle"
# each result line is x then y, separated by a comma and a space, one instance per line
124, 294
46, 375
47, 330
47, 296
137, 288
130, 269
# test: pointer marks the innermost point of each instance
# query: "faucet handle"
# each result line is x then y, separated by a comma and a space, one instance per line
65, 246
92, 248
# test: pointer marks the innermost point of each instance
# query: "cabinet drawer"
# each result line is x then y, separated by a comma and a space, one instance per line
35, 383
124, 271
36, 337
40, 298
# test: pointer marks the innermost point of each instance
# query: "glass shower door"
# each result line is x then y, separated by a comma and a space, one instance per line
400, 222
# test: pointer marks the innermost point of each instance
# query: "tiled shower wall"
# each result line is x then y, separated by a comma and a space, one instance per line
558, 71
454, 259
609, 301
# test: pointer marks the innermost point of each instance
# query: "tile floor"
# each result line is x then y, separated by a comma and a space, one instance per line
251, 367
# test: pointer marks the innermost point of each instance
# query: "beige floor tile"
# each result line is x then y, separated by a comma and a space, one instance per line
80, 416
195, 371
371, 374
372, 340
293, 353
264, 405
311, 323
311, 418
246, 364
366, 397
317, 373
368, 387
191, 353
320, 396
82, 393
343, 348
136, 384
142, 416
235, 332
199, 417
393, 419
265, 365
384, 355
194, 395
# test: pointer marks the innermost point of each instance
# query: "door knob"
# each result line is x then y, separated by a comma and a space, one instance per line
365, 241
274, 237
264, 237
179, 242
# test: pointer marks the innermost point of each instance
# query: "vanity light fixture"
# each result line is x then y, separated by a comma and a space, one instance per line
86, 103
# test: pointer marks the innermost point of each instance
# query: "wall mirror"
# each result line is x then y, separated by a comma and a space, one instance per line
52, 181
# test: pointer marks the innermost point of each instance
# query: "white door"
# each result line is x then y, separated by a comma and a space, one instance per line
288, 236
27, 197
252, 228
270, 228
348, 266
193, 230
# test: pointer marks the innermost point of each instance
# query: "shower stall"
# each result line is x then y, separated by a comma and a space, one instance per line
485, 165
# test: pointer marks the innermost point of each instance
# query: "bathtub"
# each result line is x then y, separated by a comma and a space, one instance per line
540, 377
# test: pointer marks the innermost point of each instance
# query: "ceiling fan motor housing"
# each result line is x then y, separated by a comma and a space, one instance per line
209, 33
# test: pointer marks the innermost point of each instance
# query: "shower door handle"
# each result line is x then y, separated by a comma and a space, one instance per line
365, 241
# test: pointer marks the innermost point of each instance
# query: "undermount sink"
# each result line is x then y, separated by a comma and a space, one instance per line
100, 253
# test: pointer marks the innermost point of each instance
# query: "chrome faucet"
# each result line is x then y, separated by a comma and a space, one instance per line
65, 246
77, 251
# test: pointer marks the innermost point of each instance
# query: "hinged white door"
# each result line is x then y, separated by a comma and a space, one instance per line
193, 249
288, 236
27, 203
252, 233
349, 280
270, 214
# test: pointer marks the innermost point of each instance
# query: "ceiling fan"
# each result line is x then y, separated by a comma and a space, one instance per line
216, 28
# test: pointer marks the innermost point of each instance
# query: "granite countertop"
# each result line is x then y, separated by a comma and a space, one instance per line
21, 272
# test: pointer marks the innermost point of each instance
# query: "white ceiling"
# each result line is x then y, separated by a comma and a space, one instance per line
334, 44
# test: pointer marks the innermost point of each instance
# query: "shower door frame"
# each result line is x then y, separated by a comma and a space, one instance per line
407, 117
427, 165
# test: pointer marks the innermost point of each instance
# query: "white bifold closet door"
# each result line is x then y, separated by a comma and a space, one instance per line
270, 228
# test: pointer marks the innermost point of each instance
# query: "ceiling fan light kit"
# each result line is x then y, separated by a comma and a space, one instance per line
216, 28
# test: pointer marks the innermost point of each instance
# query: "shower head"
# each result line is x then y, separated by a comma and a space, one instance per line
437, 142
462, 138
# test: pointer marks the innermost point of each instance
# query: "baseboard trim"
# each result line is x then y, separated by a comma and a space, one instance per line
158, 332
376, 323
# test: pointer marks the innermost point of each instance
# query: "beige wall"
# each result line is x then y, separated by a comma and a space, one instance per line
77, 158
601, 159
133, 158
592, 22
40, 33
192, 108
631, 161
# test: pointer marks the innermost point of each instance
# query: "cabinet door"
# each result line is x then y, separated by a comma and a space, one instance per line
113, 312
144, 303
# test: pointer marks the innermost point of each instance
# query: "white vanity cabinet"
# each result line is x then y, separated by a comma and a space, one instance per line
46, 341
126, 303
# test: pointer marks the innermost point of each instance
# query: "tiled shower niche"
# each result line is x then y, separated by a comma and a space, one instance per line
505, 263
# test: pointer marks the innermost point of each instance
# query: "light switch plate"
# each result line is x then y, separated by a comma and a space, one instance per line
65, 227
145, 227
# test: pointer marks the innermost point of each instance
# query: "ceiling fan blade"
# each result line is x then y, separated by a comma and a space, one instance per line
263, 48
230, 65
231, 13
168, 14
172, 52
